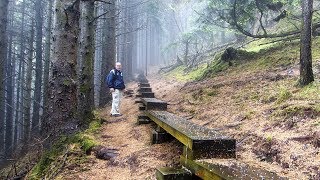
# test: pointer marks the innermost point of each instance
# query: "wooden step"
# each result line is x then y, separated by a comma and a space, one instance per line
143, 119
138, 101
142, 116
145, 89
226, 169
200, 142
143, 80
160, 137
144, 85
142, 108
147, 95
154, 104
170, 173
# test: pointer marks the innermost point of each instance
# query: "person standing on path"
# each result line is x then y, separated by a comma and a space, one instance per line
116, 86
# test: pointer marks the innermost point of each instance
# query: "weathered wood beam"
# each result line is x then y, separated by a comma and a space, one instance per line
144, 85
229, 170
170, 173
147, 95
154, 104
200, 141
199, 169
145, 89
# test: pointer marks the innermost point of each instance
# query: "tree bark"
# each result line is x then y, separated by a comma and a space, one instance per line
19, 84
98, 53
3, 56
86, 57
108, 51
9, 82
27, 95
47, 58
306, 73
38, 70
62, 106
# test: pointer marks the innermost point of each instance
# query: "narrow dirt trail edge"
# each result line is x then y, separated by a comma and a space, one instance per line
137, 158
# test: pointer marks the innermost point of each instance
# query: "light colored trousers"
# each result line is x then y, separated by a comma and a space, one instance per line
116, 100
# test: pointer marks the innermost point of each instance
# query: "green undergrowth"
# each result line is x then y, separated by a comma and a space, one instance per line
181, 73
266, 57
203, 95
286, 99
80, 143
256, 56
257, 45
311, 91
259, 59
298, 110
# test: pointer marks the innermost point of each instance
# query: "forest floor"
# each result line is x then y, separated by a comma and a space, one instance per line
255, 100
286, 145
136, 159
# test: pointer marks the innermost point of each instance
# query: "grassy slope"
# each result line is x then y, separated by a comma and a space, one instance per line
270, 57
262, 99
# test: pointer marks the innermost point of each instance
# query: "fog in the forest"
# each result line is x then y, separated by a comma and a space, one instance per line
55, 54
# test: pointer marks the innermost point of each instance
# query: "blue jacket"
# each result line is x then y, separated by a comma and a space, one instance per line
115, 80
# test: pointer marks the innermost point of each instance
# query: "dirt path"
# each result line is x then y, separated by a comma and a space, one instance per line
137, 158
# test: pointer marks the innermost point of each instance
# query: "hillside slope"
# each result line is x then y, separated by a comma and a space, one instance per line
256, 100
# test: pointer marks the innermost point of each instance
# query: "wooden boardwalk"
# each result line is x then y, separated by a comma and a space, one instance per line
203, 148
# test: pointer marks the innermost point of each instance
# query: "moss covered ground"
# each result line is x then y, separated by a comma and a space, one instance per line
66, 148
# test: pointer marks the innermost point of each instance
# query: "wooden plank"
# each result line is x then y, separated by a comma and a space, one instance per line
178, 135
143, 81
142, 116
170, 173
145, 89
154, 104
138, 101
144, 85
202, 141
143, 119
142, 108
199, 169
147, 95
227, 169
160, 137
211, 150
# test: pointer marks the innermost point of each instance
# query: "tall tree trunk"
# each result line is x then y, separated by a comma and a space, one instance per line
38, 70
12, 130
306, 73
18, 125
27, 95
98, 55
108, 51
11, 70
86, 57
47, 58
124, 28
9, 82
62, 106
131, 24
3, 56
